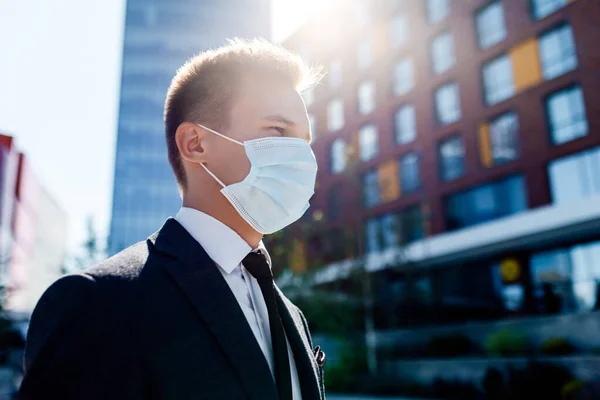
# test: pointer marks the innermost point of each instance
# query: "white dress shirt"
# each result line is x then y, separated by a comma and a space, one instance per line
227, 249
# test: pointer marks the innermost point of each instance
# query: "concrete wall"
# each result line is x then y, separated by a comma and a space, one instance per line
582, 329
426, 371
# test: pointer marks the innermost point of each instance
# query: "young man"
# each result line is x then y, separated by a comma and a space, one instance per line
192, 312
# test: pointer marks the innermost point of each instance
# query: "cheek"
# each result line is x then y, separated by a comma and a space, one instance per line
235, 166
240, 167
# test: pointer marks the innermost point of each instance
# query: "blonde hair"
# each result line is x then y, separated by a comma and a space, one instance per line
204, 88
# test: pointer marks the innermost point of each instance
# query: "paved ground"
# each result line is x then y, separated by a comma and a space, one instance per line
351, 397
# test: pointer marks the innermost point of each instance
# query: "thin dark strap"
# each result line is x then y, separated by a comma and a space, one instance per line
257, 265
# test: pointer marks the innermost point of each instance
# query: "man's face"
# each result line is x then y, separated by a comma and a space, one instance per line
261, 108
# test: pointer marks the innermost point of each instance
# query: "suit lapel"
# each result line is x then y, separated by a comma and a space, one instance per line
303, 355
199, 279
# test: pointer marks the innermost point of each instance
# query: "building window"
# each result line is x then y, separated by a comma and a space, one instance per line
575, 177
389, 230
309, 97
335, 74
557, 52
486, 203
393, 230
388, 225
334, 202
398, 31
452, 158
410, 178
447, 102
491, 28
367, 138
365, 56
566, 113
410, 224
371, 189
442, 53
571, 273
543, 8
406, 124
374, 244
382, 233
403, 77
437, 10
504, 138
498, 80
335, 115
338, 156
313, 126
362, 12
366, 97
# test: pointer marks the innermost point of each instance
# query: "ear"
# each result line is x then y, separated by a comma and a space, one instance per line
189, 138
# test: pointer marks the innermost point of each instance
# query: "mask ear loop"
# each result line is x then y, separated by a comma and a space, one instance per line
221, 135
224, 137
213, 175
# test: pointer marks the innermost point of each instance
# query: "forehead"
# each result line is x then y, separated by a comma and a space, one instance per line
263, 96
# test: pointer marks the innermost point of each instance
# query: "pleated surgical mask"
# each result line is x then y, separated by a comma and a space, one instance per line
278, 187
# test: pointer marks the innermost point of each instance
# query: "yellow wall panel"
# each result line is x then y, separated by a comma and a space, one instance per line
485, 146
389, 184
525, 59
297, 257
353, 148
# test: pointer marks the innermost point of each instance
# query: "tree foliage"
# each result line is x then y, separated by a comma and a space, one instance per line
91, 252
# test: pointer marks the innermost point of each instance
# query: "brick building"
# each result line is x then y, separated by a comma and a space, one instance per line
463, 136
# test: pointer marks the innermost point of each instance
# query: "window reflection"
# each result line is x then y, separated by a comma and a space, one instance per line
570, 274
556, 281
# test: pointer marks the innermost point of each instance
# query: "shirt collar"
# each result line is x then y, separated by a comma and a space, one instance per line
222, 244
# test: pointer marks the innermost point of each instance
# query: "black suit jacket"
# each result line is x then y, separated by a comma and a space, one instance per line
156, 321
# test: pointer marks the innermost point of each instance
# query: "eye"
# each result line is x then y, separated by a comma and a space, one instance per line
279, 129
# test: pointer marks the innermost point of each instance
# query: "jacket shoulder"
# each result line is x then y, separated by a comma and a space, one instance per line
126, 265
65, 301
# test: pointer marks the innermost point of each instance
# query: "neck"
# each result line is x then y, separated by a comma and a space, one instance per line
219, 208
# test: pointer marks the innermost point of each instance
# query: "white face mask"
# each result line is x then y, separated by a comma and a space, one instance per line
280, 182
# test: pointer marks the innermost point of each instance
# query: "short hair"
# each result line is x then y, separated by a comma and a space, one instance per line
204, 88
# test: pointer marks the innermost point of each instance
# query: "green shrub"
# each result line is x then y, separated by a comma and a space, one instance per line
328, 315
507, 343
340, 376
557, 347
572, 389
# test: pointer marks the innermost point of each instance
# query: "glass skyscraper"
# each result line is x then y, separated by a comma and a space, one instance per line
160, 35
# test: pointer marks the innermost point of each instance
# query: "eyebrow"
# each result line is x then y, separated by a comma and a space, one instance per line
287, 122
279, 118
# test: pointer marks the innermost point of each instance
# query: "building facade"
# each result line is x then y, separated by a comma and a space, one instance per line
160, 35
462, 138
8, 173
48, 258
33, 232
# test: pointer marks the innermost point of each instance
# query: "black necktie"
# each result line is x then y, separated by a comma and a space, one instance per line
256, 263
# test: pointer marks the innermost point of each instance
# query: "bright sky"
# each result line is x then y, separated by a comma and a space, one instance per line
59, 87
